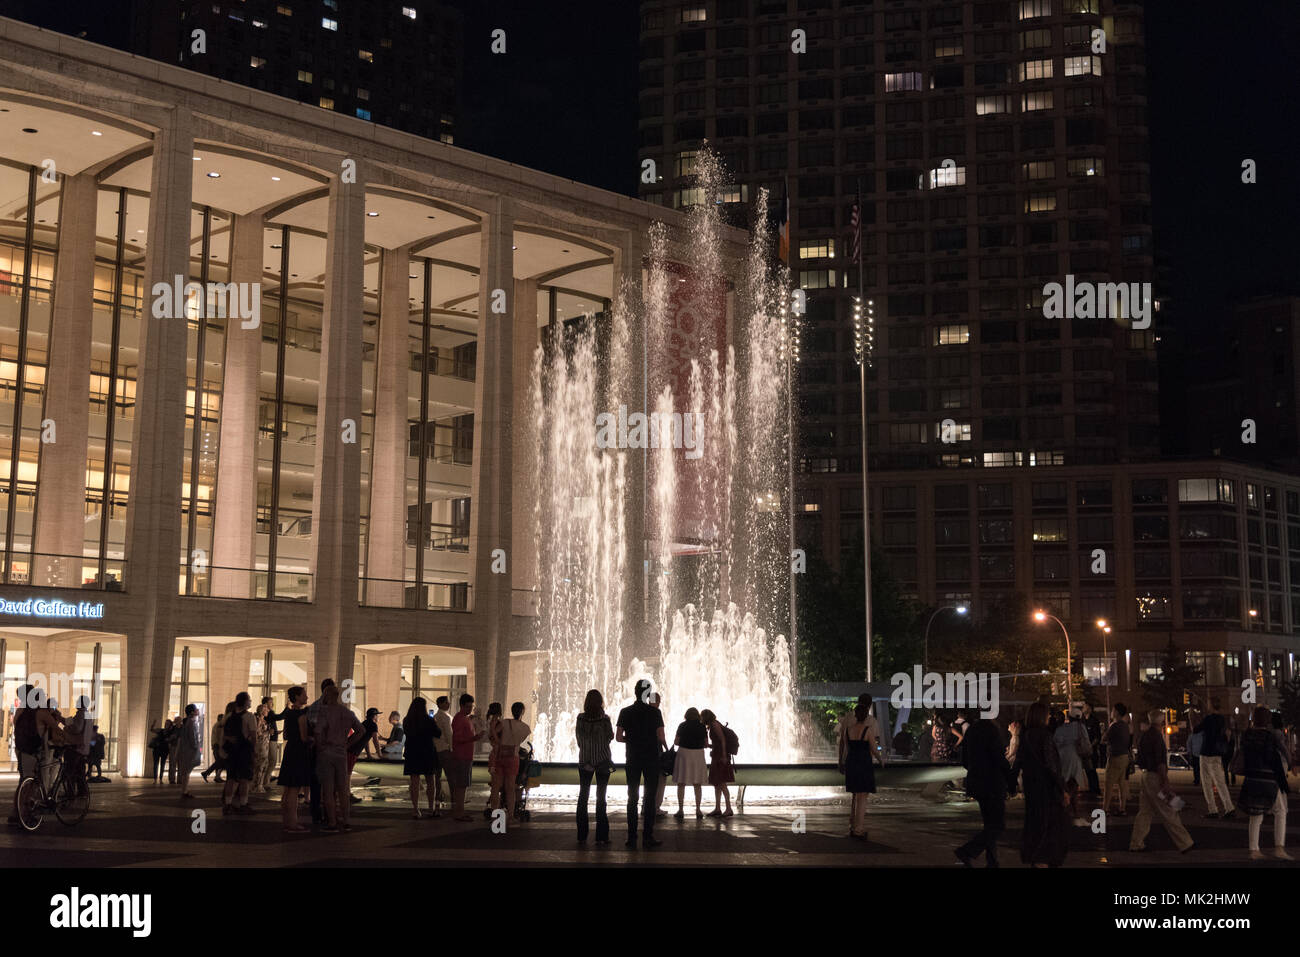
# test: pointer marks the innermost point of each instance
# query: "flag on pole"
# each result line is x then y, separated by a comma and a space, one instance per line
855, 241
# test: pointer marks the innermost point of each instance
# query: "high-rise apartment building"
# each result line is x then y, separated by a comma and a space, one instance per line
394, 62
997, 147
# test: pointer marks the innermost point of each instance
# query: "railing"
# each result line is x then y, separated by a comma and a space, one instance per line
48, 570
399, 593
220, 581
450, 366
441, 537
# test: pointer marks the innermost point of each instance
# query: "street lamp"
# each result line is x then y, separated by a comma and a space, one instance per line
1105, 657
1041, 616
959, 609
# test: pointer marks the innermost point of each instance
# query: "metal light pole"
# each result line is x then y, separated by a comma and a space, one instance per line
864, 322
1105, 656
1041, 616
925, 657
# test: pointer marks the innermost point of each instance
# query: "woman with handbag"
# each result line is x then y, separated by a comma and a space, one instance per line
594, 732
1262, 760
689, 765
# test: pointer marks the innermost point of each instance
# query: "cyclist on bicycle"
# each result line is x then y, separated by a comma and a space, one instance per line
34, 723
79, 732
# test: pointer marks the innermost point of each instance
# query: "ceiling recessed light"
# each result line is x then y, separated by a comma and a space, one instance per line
198, 159
214, 176
96, 133
372, 214
414, 276
275, 179
277, 246
139, 230
28, 129
514, 247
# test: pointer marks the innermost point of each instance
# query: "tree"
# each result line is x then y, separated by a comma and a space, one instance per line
1176, 677
1289, 705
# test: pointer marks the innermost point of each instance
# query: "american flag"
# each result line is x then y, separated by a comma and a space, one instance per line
856, 240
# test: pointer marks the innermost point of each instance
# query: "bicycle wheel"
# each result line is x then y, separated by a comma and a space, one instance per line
31, 807
71, 800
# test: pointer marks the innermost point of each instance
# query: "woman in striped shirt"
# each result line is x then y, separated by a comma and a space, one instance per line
594, 732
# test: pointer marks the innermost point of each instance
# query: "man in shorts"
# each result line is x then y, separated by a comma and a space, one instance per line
463, 739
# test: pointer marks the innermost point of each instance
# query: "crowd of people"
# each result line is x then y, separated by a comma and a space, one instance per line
1052, 758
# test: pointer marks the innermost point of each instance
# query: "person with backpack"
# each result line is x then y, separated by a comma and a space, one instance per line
239, 741
34, 724
723, 745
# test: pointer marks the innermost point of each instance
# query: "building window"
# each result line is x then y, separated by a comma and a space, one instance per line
952, 335
947, 46
1153, 606
408, 12
997, 103
257, 62
1035, 70
1003, 460
326, 103
683, 198
1205, 490
1040, 202
817, 279
304, 76
1031, 102
947, 176
691, 15
363, 114
817, 249
1039, 169
1086, 166
897, 82
366, 55
686, 162
1083, 66
363, 94
329, 24
1050, 530
1030, 9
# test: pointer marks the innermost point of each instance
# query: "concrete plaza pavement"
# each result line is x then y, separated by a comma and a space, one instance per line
136, 823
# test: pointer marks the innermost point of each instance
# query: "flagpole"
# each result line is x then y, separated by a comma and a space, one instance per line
862, 386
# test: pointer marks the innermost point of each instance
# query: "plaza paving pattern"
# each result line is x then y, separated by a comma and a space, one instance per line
138, 823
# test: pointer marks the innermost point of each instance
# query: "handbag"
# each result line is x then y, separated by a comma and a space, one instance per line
667, 763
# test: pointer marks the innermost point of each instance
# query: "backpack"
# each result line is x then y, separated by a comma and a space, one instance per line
733, 742
27, 740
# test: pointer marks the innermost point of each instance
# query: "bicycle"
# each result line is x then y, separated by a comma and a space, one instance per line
68, 797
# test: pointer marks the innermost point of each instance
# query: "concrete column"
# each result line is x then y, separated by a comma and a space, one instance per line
153, 534
61, 505
234, 531
335, 507
524, 550
386, 538
628, 279
493, 460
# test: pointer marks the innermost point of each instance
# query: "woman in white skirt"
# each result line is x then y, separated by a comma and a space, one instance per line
690, 767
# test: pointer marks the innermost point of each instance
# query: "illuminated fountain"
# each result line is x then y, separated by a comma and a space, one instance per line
717, 559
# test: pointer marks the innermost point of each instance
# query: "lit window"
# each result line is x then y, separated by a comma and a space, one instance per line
686, 162
260, 24
817, 279
327, 103
284, 11
733, 194
1083, 6
1043, 201
947, 176
1046, 458
956, 432
1083, 66
1205, 490
1030, 102
812, 506
408, 12
952, 335
1036, 70
947, 46
366, 55
688, 197
1039, 169
1050, 530
896, 82
329, 24
256, 62
817, 249
997, 103
1035, 39
304, 76
449, 140
364, 114
1003, 460
1030, 9
691, 15
1086, 166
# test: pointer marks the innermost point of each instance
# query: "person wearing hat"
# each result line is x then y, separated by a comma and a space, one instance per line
360, 742
190, 752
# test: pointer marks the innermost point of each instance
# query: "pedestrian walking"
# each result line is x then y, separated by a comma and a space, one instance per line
1156, 799
721, 772
641, 728
1119, 756
1263, 764
1214, 746
218, 765
295, 764
239, 736
160, 748
594, 732
857, 753
689, 766
1046, 835
1071, 739
988, 781
190, 752
420, 759
1092, 725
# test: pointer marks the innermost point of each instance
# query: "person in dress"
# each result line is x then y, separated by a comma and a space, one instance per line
594, 732
689, 765
721, 773
421, 756
238, 742
295, 762
858, 751
1046, 834
261, 745
1072, 745
1264, 762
